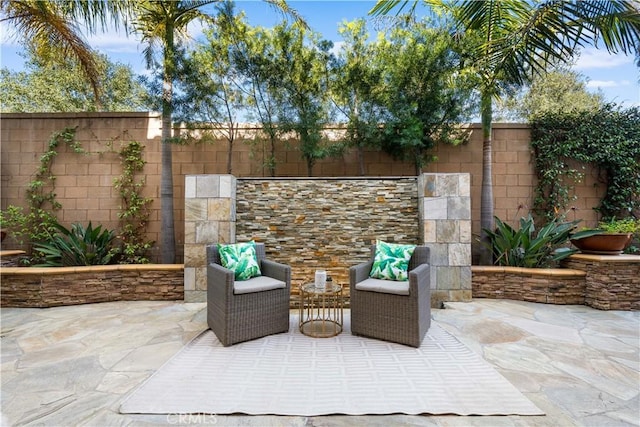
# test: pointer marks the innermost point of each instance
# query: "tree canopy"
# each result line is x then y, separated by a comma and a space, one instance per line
57, 85
559, 91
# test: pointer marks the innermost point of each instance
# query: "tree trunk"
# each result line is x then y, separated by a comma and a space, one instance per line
232, 134
309, 167
360, 152
486, 199
167, 236
272, 159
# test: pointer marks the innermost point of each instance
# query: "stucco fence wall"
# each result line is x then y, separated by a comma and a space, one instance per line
84, 184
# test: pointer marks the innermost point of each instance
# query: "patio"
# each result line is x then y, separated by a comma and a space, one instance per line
73, 365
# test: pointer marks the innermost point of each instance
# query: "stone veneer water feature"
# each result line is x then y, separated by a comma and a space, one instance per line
330, 223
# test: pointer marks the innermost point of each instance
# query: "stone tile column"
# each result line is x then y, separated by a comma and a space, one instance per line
444, 202
210, 217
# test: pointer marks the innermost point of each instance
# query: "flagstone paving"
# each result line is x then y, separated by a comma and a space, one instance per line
72, 366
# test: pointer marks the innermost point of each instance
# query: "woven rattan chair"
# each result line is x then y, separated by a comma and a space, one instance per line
396, 317
244, 310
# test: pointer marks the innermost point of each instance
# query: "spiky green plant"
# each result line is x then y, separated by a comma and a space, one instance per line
78, 246
528, 247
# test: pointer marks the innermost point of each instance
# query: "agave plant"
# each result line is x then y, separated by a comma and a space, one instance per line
525, 247
78, 246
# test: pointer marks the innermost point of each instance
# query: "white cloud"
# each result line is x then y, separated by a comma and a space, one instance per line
337, 47
600, 58
606, 83
115, 42
8, 36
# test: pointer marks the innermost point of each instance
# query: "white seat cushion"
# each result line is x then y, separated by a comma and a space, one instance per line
384, 286
257, 284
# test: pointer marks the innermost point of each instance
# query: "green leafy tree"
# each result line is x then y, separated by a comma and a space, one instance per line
53, 84
355, 88
301, 63
212, 99
254, 54
423, 93
561, 90
163, 26
518, 39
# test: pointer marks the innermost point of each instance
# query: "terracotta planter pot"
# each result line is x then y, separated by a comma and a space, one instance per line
603, 244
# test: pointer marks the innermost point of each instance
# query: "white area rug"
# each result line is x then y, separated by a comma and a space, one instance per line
292, 374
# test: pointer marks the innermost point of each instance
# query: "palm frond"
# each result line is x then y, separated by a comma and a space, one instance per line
287, 11
383, 7
522, 38
48, 24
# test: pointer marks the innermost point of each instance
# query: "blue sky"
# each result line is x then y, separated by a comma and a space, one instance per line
615, 75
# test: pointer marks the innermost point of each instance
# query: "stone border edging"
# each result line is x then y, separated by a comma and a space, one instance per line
545, 272
89, 269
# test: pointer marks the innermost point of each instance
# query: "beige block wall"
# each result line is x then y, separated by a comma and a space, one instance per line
84, 183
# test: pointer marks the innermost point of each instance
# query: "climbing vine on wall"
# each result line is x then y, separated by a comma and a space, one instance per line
608, 138
134, 209
37, 223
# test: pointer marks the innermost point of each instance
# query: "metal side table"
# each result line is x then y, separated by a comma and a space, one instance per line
321, 310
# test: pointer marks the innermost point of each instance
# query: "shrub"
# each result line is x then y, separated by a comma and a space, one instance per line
525, 247
29, 227
78, 246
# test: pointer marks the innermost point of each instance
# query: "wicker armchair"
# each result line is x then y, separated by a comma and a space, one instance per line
244, 310
403, 316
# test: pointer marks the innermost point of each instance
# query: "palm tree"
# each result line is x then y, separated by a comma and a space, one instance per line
520, 38
164, 23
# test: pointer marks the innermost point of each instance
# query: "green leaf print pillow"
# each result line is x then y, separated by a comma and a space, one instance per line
241, 259
391, 261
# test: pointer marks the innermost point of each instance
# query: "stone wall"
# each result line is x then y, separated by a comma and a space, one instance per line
548, 286
57, 286
319, 223
84, 184
331, 223
600, 281
612, 282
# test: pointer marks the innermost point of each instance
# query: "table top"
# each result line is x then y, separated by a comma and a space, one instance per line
331, 287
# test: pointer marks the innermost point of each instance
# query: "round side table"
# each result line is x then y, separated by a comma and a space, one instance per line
321, 310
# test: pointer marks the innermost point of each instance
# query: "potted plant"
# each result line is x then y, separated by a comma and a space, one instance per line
609, 238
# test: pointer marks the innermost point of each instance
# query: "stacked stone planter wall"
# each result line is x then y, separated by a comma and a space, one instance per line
612, 282
599, 281
544, 285
50, 287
